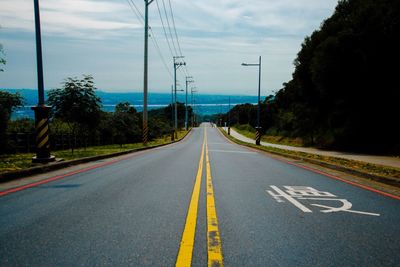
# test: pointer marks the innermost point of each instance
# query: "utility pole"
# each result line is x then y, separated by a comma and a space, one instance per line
172, 113
189, 79
177, 65
145, 79
41, 110
193, 90
172, 104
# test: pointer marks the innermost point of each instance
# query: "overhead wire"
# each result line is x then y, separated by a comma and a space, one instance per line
140, 17
136, 10
163, 26
176, 34
173, 24
169, 29
184, 69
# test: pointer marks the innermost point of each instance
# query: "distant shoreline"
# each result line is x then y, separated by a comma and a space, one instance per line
134, 92
205, 104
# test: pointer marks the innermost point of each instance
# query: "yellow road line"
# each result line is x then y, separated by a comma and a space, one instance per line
213, 237
187, 242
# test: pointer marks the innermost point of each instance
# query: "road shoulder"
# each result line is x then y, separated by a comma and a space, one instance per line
34, 175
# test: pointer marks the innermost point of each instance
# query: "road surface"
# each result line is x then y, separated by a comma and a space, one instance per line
203, 201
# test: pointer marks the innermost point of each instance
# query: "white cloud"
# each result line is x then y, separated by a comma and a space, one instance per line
105, 38
73, 18
288, 15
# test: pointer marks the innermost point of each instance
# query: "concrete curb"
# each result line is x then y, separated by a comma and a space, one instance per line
12, 175
383, 179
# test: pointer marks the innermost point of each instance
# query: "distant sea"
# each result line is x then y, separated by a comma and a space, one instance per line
204, 104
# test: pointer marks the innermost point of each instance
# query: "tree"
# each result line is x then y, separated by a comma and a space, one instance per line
76, 104
125, 122
344, 89
8, 102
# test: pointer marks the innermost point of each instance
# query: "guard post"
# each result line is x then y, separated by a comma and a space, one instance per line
258, 135
42, 135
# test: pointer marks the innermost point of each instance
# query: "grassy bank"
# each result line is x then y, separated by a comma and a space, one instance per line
368, 168
250, 132
20, 161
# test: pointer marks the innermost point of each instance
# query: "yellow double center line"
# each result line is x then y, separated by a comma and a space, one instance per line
214, 247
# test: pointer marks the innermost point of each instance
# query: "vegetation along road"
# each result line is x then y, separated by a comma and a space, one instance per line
202, 201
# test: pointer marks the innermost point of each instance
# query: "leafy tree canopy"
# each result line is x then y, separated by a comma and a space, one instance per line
76, 102
344, 92
8, 102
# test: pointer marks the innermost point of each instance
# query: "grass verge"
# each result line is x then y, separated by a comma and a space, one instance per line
249, 132
20, 161
390, 175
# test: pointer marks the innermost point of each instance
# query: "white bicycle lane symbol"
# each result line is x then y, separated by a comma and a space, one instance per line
295, 193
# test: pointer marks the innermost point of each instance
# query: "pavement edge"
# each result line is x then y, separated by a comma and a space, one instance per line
13, 175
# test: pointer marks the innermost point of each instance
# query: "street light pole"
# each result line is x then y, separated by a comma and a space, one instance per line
145, 74
172, 104
258, 128
41, 110
188, 80
176, 66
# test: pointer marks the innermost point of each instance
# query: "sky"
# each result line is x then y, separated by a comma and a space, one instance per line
105, 38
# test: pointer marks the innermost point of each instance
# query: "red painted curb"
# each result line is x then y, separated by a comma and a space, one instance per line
58, 177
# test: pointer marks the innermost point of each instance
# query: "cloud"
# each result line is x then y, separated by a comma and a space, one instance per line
283, 15
105, 38
73, 18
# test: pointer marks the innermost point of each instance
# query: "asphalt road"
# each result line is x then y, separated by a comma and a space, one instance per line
245, 209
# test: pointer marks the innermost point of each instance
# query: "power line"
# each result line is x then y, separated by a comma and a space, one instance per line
185, 69
173, 23
136, 10
159, 52
140, 17
169, 29
176, 34
165, 32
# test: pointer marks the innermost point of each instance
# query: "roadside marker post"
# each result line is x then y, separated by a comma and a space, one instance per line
258, 136
42, 135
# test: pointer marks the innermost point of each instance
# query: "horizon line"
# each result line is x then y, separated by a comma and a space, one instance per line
125, 92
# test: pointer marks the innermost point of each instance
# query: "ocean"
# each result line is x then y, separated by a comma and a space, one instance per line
204, 104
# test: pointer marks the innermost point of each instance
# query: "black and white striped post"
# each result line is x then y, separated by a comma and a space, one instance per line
41, 110
258, 136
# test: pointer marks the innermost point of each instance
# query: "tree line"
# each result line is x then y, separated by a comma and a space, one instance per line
77, 111
344, 92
